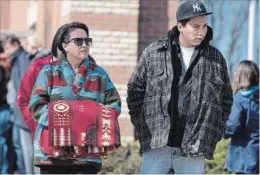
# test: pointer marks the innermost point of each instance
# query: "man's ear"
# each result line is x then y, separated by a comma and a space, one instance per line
180, 26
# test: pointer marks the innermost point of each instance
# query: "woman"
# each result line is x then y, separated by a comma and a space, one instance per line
243, 123
76, 77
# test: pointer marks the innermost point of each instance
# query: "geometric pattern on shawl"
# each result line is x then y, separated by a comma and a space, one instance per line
81, 128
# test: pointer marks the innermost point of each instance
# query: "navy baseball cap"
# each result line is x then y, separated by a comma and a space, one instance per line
191, 8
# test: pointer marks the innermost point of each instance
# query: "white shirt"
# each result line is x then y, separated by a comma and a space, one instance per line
186, 55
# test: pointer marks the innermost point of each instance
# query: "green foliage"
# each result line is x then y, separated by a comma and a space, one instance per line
128, 161
216, 166
125, 160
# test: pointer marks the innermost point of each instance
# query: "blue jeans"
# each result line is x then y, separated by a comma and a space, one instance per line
161, 160
10, 145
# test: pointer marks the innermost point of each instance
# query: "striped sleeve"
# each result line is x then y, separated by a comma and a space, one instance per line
40, 97
112, 97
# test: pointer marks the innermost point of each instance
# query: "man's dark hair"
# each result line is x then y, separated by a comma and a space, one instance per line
62, 35
12, 40
184, 22
3, 85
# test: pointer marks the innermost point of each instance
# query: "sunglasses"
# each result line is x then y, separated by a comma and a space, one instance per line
79, 41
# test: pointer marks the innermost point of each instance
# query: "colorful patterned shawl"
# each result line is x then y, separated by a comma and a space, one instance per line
57, 81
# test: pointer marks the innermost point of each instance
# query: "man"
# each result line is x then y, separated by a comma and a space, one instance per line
179, 96
19, 60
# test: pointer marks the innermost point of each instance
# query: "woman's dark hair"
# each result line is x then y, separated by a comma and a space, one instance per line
245, 76
62, 35
3, 85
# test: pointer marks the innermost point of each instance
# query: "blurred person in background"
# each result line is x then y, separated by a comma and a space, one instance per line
179, 96
25, 90
34, 46
243, 123
39, 57
74, 78
11, 154
26, 87
19, 62
4, 61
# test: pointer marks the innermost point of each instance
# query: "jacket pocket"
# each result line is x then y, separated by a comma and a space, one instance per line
155, 78
213, 91
156, 123
154, 71
152, 106
206, 91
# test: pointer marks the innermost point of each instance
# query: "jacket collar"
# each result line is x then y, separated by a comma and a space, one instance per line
16, 54
92, 62
249, 91
88, 62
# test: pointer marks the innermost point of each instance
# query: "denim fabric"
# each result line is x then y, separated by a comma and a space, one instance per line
10, 149
243, 129
23, 142
163, 160
5, 132
3, 154
19, 64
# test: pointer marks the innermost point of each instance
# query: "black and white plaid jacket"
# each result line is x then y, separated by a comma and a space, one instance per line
149, 93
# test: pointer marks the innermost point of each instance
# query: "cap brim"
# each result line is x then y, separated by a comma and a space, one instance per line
202, 14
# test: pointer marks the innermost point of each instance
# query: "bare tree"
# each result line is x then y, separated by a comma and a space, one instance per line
236, 41
229, 17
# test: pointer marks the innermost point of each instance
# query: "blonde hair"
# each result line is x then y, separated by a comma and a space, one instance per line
34, 41
245, 76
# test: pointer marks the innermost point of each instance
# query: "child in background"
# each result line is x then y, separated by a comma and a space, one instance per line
243, 123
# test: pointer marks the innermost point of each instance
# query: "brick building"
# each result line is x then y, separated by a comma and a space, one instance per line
120, 29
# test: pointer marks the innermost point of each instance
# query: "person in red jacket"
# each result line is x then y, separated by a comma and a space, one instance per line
25, 90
